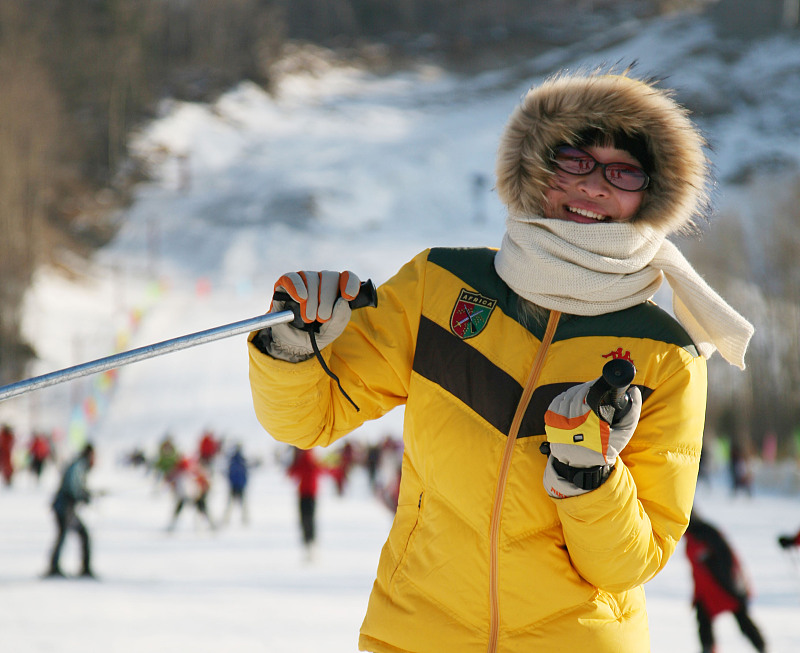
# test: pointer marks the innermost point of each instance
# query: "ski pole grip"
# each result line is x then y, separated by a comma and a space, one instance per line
367, 296
608, 397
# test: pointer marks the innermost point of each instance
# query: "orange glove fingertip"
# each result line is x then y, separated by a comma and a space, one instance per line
287, 285
344, 280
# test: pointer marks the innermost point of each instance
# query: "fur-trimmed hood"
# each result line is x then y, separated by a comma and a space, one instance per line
564, 105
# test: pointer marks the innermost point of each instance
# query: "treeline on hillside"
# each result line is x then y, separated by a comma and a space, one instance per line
75, 77
749, 256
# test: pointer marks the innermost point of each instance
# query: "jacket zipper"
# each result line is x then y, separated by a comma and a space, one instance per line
527, 393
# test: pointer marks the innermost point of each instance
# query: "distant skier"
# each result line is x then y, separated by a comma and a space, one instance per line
71, 493
720, 584
340, 464
191, 483
390, 472
372, 463
306, 471
7, 439
238, 476
38, 453
209, 447
167, 459
740, 471
789, 541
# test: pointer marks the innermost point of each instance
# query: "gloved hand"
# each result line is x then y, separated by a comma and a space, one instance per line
582, 447
323, 298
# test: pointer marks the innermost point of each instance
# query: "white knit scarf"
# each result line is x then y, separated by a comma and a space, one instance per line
595, 269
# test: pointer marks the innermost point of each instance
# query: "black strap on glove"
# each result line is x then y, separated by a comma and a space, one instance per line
263, 338
586, 478
318, 354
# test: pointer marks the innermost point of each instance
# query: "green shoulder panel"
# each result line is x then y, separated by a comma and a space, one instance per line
475, 267
646, 320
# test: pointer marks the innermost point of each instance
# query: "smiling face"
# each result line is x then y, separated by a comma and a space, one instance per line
589, 199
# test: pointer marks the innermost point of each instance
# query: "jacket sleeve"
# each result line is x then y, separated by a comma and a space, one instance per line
622, 534
299, 404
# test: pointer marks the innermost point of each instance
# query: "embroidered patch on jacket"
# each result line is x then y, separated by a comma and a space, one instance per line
471, 313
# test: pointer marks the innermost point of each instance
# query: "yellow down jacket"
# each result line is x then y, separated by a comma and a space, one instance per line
448, 340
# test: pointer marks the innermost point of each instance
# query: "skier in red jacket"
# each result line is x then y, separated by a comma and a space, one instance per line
306, 471
720, 584
209, 447
191, 483
38, 453
7, 439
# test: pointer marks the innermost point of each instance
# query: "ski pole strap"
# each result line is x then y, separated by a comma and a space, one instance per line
327, 370
586, 478
264, 337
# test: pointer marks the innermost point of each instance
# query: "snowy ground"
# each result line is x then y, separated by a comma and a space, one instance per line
342, 170
250, 588
244, 588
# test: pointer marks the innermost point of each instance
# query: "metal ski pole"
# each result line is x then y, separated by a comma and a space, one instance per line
143, 353
367, 296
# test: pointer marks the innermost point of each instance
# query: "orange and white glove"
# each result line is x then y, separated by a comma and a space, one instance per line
323, 299
583, 447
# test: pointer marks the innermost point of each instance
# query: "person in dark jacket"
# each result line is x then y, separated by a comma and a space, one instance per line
789, 542
72, 492
720, 584
238, 471
740, 471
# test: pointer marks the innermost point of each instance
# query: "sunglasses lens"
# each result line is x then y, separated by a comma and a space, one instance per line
626, 177
573, 161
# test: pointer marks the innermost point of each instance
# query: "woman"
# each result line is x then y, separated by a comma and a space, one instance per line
494, 546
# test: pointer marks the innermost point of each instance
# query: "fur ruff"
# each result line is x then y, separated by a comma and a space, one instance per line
557, 110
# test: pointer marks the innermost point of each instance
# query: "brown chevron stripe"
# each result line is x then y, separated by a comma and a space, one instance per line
474, 380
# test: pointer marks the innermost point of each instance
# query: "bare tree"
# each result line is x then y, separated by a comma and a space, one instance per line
30, 146
753, 264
